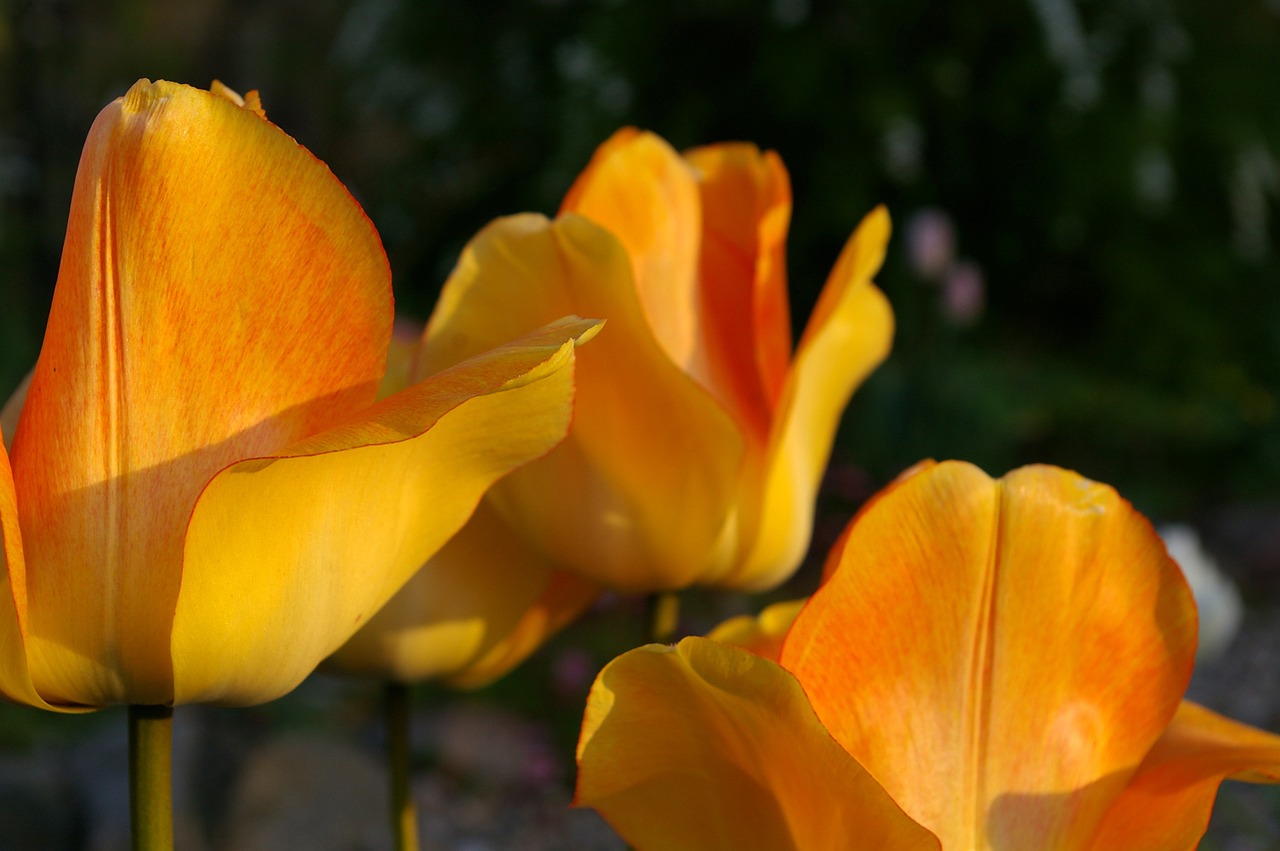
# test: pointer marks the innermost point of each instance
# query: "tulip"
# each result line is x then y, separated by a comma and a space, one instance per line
202, 500
699, 437
698, 440
477, 608
988, 665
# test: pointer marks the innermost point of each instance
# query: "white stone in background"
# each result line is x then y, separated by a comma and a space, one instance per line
1216, 595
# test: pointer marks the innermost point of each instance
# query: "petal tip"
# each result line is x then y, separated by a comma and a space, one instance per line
140, 96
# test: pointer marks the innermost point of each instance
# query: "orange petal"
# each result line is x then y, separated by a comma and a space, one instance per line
287, 556
762, 635
746, 208
604, 503
999, 654
639, 189
1166, 806
705, 747
473, 612
220, 296
836, 553
848, 335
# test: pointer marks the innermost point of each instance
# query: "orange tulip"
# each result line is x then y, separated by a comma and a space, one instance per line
699, 437
699, 440
1005, 658
202, 499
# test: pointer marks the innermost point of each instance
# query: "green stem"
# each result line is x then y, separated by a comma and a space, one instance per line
664, 616
150, 777
404, 816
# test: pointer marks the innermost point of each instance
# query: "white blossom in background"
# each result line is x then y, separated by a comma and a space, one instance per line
1216, 595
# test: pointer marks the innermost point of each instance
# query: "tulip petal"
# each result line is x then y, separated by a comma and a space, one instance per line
1167, 804
762, 635
848, 335
705, 747
1000, 655
15, 673
12, 408
473, 612
220, 295
402, 354
287, 556
637, 494
746, 209
640, 190
836, 554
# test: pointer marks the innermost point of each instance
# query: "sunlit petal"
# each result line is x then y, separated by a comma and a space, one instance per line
1166, 806
220, 295
296, 527
705, 747
640, 190
474, 611
746, 319
762, 635
848, 335
251, 101
836, 553
15, 673
402, 355
636, 495
975, 626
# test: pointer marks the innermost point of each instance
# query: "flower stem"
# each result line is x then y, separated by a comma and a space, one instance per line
664, 616
404, 816
150, 777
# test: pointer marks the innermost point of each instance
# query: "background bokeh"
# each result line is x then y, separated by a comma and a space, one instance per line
1085, 192
1110, 169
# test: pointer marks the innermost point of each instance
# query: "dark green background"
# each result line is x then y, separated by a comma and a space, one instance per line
1110, 166
1132, 333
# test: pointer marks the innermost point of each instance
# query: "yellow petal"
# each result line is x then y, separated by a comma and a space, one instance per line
848, 335
637, 494
15, 673
746, 318
705, 747
762, 635
287, 556
252, 101
1167, 803
220, 295
473, 612
639, 189
999, 654
401, 356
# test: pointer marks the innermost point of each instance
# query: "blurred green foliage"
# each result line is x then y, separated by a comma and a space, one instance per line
1110, 169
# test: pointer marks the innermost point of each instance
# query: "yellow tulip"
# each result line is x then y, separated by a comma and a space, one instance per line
699, 437
476, 609
989, 666
202, 499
